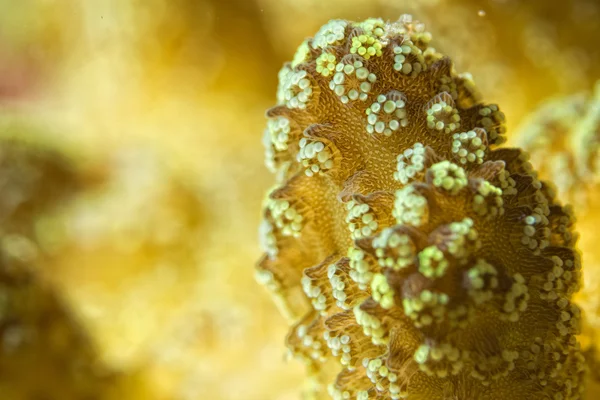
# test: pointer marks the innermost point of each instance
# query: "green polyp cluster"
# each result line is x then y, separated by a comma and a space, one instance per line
387, 114
448, 176
482, 280
410, 207
469, 147
370, 42
381, 291
442, 114
432, 262
361, 222
393, 250
411, 163
352, 80
331, 33
326, 63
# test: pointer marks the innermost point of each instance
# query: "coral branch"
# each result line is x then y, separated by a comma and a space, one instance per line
437, 265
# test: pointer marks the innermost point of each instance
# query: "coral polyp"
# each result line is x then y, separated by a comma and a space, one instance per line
416, 257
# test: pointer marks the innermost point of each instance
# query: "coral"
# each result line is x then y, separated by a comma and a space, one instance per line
548, 49
563, 137
416, 258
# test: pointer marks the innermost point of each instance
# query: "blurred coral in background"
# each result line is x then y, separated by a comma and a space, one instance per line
132, 175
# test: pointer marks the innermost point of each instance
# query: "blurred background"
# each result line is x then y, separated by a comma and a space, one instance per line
132, 177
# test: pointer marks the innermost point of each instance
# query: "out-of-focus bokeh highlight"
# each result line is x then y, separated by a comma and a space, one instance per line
132, 177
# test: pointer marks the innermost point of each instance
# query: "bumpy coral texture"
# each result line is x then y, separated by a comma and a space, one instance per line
563, 136
417, 259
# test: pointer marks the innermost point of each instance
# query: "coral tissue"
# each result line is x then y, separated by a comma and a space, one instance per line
416, 257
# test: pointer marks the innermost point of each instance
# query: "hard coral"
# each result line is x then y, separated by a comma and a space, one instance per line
417, 259
563, 136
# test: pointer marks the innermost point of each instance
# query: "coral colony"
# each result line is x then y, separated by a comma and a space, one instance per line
416, 257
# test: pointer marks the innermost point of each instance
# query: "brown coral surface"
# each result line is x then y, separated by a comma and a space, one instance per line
563, 137
416, 258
